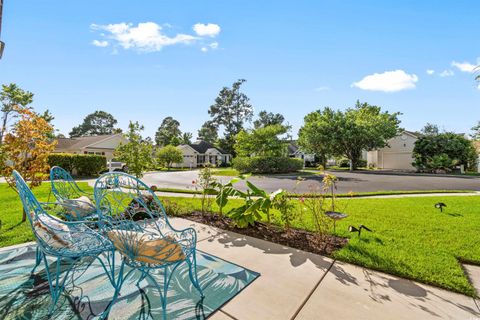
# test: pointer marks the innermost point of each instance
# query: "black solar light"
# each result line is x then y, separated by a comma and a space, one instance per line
359, 229
440, 206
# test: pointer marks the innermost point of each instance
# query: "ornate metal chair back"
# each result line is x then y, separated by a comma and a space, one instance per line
126, 203
64, 186
46, 233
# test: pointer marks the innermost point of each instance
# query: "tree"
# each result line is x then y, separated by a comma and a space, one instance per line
48, 116
349, 133
314, 135
96, 124
476, 131
137, 152
187, 138
266, 119
208, 132
264, 141
11, 98
231, 109
26, 148
169, 130
444, 151
168, 155
430, 129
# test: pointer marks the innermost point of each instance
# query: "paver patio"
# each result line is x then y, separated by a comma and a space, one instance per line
299, 285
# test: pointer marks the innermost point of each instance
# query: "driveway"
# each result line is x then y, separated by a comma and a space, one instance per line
347, 181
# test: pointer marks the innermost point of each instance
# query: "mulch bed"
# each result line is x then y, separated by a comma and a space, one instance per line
298, 239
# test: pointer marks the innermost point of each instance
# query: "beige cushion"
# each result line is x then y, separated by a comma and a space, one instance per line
52, 231
141, 247
82, 207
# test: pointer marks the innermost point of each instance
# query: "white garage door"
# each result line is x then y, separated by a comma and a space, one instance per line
398, 161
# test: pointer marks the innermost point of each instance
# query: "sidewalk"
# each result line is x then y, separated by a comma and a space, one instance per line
298, 285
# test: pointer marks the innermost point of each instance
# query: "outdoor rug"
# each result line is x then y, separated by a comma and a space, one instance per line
27, 296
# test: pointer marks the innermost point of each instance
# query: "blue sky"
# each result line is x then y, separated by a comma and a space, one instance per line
149, 60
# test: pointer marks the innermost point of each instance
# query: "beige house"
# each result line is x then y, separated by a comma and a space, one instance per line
201, 152
398, 155
103, 145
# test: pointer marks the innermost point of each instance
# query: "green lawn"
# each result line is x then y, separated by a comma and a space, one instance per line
225, 172
13, 231
411, 238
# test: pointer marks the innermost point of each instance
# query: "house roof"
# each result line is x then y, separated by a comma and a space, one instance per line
292, 147
202, 146
414, 134
81, 142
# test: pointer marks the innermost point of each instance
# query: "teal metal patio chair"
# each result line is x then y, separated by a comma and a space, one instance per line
66, 191
67, 242
134, 219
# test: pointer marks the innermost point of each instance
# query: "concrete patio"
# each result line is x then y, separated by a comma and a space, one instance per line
294, 284
299, 285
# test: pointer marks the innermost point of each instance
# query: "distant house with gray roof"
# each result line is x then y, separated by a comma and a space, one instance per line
201, 152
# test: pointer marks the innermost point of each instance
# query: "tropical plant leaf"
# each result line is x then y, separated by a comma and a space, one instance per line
255, 190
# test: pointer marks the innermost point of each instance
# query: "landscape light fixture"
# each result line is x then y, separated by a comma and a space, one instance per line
440, 206
359, 229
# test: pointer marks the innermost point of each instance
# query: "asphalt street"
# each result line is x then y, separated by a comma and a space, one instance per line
354, 182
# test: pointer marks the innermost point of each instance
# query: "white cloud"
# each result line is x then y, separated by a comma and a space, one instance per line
146, 36
478, 87
212, 46
446, 73
464, 66
322, 88
100, 43
389, 81
209, 30
430, 72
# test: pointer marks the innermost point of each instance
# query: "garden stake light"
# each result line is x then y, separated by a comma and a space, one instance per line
440, 206
359, 229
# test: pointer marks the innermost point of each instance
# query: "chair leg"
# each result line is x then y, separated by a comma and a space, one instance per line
162, 290
118, 286
109, 268
192, 271
38, 259
55, 282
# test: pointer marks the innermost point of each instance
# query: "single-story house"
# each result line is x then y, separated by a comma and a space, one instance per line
201, 152
103, 145
294, 151
398, 155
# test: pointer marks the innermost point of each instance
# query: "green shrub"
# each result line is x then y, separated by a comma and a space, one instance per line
79, 164
267, 164
345, 163
63, 160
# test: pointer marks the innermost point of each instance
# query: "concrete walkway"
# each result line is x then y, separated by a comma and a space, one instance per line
298, 285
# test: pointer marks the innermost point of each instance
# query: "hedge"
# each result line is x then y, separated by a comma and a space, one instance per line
267, 164
79, 164
345, 163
